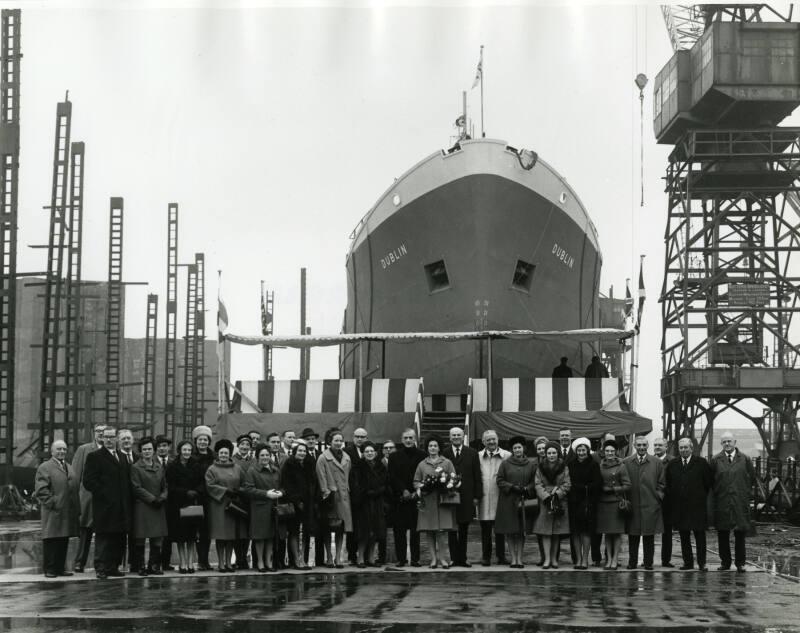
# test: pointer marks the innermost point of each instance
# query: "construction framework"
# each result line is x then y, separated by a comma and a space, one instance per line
171, 320
10, 56
729, 291
150, 355
73, 325
267, 320
199, 340
189, 349
53, 282
114, 308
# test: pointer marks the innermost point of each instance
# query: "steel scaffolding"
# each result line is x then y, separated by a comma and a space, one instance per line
189, 348
9, 178
150, 355
199, 341
114, 314
170, 354
267, 312
72, 326
730, 289
54, 279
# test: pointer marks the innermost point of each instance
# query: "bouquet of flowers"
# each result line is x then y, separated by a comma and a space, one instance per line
440, 482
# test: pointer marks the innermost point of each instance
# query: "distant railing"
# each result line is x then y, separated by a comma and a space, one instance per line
777, 489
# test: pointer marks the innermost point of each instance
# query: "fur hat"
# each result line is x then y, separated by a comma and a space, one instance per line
201, 430
582, 441
223, 443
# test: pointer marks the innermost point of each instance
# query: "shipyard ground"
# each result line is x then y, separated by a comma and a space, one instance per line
763, 599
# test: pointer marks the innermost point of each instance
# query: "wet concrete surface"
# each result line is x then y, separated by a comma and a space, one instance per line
480, 599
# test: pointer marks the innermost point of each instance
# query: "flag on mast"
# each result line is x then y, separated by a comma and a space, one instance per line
628, 301
222, 326
479, 71
642, 294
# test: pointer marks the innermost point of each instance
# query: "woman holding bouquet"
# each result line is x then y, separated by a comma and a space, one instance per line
515, 479
431, 478
552, 485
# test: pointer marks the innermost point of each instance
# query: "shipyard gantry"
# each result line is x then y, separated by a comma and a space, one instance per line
730, 286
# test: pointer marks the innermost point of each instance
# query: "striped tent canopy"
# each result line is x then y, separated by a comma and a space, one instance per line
381, 395
547, 394
542, 406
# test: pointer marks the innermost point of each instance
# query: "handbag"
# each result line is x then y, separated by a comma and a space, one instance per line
529, 504
284, 511
554, 506
192, 512
624, 505
451, 498
238, 511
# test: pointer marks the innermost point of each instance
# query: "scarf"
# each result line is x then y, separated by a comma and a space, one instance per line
337, 454
551, 471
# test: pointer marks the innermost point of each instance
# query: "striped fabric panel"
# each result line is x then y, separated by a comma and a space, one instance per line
560, 387
410, 392
281, 396
266, 395
610, 389
330, 396
510, 395
497, 394
396, 396
250, 389
478, 394
297, 396
544, 394
347, 395
376, 395
594, 393
313, 400
577, 394
527, 395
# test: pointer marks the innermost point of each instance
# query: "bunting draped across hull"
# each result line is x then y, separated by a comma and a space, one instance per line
480, 237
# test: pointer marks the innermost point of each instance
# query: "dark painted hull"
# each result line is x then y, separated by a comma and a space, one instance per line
480, 225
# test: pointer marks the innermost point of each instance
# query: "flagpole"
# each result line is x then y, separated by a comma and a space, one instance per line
220, 358
483, 133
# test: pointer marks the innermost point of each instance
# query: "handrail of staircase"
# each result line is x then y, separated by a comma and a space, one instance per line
419, 413
469, 413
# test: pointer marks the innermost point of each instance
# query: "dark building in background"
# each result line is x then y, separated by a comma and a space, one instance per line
91, 401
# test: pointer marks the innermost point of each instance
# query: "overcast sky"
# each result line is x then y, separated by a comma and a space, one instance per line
277, 128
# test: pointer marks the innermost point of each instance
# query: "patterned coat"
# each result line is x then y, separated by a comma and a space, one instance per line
487, 508
56, 489
616, 483
513, 471
546, 523
334, 478
149, 485
256, 481
648, 483
733, 485
222, 481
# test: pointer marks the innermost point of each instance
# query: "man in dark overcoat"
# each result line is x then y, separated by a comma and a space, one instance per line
660, 453
107, 476
356, 453
56, 490
734, 477
86, 527
648, 484
468, 465
689, 481
402, 466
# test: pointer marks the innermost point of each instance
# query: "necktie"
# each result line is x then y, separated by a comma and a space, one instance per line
730, 458
63, 466
641, 461
458, 452
685, 462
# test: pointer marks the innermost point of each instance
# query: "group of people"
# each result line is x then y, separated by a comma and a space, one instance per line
262, 502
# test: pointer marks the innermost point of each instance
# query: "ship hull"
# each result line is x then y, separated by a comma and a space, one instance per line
480, 227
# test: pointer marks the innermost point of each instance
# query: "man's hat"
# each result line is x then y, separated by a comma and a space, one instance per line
163, 439
309, 432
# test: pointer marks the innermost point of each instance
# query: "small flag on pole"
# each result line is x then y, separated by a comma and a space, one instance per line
222, 326
642, 294
628, 301
479, 71
222, 320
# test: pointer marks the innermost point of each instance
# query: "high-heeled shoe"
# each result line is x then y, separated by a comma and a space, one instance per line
434, 565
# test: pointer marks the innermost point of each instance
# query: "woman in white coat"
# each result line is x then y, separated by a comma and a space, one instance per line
490, 459
333, 473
